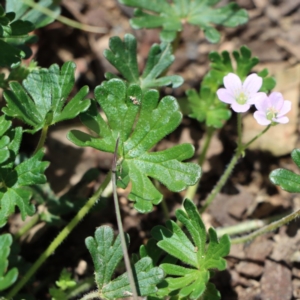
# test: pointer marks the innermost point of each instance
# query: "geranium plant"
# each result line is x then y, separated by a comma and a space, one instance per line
127, 116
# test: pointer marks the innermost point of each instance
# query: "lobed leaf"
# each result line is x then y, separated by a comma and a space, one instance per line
7, 277
123, 56
192, 281
106, 253
40, 101
140, 121
288, 180
13, 39
171, 15
14, 179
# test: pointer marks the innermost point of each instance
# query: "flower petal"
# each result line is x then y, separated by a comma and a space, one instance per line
233, 83
240, 108
261, 118
276, 100
286, 107
260, 98
225, 96
282, 120
252, 84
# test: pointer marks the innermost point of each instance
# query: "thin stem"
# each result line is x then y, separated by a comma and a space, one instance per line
267, 228
91, 295
120, 226
165, 209
48, 12
42, 139
191, 191
239, 129
221, 181
27, 226
60, 238
247, 226
239, 152
256, 137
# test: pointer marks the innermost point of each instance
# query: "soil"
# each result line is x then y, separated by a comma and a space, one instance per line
268, 268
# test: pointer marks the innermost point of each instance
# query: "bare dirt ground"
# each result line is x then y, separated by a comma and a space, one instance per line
267, 268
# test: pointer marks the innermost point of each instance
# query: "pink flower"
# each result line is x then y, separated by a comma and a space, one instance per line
272, 109
240, 95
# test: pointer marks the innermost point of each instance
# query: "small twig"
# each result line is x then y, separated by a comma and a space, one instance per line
120, 226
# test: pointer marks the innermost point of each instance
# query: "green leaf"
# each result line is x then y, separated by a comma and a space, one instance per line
191, 281
18, 73
13, 39
16, 22
40, 101
4, 139
7, 278
123, 56
171, 15
211, 293
57, 294
288, 180
141, 121
205, 105
65, 281
12, 183
26, 13
106, 252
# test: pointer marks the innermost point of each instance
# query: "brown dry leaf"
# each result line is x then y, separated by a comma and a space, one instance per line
237, 251
249, 269
248, 293
285, 247
67, 169
280, 139
276, 282
233, 206
259, 249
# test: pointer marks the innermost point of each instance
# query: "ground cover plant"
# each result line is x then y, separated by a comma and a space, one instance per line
128, 114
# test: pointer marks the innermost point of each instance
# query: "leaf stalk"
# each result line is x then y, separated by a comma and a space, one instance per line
238, 153
120, 226
42, 139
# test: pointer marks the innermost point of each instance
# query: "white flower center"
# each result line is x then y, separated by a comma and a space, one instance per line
241, 98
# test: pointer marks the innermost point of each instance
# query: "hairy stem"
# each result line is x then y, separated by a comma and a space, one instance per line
91, 295
60, 238
239, 153
48, 12
120, 227
267, 228
247, 225
221, 181
191, 191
